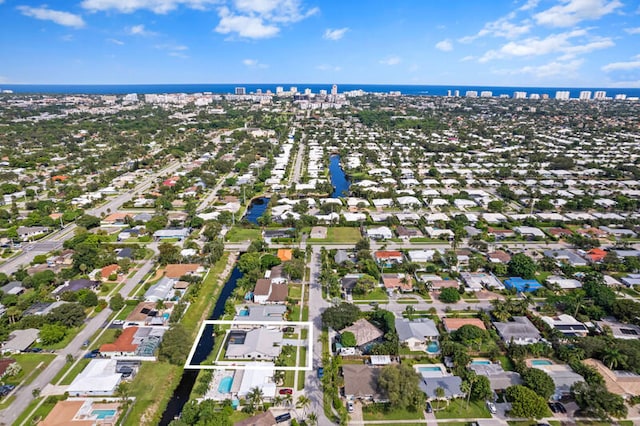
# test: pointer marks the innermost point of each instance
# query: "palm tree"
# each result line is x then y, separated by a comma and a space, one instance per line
409, 311
303, 402
288, 399
277, 400
439, 395
613, 358
312, 419
255, 396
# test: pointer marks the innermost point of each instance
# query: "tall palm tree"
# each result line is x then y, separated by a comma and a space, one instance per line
613, 358
255, 396
278, 400
288, 400
439, 394
303, 402
312, 419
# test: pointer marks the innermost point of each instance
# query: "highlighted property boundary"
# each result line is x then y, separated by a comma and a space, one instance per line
237, 365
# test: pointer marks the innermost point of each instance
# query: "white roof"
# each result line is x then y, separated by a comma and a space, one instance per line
98, 376
258, 377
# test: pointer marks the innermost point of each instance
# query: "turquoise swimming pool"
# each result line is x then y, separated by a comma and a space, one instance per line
541, 362
433, 347
429, 369
103, 414
480, 362
225, 384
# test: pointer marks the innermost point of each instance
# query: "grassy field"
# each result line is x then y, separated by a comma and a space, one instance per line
29, 364
457, 409
370, 413
377, 294
152, 388
237, 234
301, 378
295, 291
73, 373
125, 312
339, 235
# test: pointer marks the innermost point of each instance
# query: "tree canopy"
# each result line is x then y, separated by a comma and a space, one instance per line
539, 382
526, 403
400, 383
521, 265
340, 316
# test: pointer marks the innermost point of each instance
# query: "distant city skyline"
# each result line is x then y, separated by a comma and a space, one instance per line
553, 43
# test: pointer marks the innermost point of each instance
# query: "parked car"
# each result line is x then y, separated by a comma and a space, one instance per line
285, 391
552, 407
85, 343
350, 406
492, 407
428, 408
560, 407
89, 355
320, 372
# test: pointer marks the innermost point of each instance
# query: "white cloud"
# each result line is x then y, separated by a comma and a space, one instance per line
62, 18
244, 26
635, 30
554, 43
622, 66
573, 12
141, 31
625, 84
254, 63
530, 4
468, 58
334, 34
260, 18
156, 6
566, 69
115, 41
391, 60
444, 45
502, 27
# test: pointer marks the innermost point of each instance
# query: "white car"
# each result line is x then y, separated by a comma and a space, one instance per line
492, 407
350, 406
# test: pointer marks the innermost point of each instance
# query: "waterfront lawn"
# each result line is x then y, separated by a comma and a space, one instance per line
457, 409
152, 388
385, 412
377, 294
237, 234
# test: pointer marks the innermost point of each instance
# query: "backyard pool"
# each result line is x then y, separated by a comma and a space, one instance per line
481, 362
225, 384
103, 414
433, 348
421, 369
243, 313
541, 362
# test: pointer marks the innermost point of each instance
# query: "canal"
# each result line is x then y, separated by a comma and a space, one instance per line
338, 179
205, 345
256, 209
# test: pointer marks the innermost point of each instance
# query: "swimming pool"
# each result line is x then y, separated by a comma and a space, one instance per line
225, 384
103, 414
433, 347
480, 362
541, 362
421, 369
243, 313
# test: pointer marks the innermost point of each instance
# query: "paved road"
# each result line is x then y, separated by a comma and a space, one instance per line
298, 163
54, 241
317, 304
24, 394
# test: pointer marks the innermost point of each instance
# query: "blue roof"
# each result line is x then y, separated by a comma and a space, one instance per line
520, 284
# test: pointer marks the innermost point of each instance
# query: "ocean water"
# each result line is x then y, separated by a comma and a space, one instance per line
423, 90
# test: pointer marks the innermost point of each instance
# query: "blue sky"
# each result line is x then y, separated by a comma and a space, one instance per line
477, 42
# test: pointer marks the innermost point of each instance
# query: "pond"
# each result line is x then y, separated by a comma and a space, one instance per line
256, 209
205, 345
338, 178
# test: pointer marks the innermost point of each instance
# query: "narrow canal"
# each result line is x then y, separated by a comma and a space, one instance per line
338, 179
205, 345
257, 209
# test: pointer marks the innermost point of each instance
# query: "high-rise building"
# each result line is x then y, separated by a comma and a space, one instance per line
621, 97
471, 94
334, 89
562, 95
486, 94
241, 91
534, 96
519, 95
258, 91
279, 90
449, 93
600, 94
323, 92
307, 91
457, 93
585, 95
293, 89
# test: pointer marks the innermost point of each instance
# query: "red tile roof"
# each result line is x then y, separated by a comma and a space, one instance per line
124, 343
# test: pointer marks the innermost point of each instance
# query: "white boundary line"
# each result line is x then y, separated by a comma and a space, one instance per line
254, 365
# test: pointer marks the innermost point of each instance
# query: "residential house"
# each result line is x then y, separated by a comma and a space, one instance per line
498, 378
520, 331
365, 333
477, 281
167, 234
618, 330
20, 340
397, 281
267, 292
568, 256
162, 290
361, 382
420, 256
108, 270
521, 285
452, 324
388, 258
177, 270
99, 378
450, 384
379, 233
529, 232
76, 285
408, 233
26, 233
563, 283
567, 325
499, 256
623, 383
4, 365
13, 287
563, 378
416, 334
135, 342
252, 313
259, 343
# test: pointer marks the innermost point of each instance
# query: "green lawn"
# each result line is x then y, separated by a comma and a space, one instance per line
8, 401
237, 234
340, 235
507, 364
23, 416
295, 291
29, 364
68, 337
73, 373
109, 336
125, 312
379, 412
301, 378
377, 294
457, 409
152, 387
